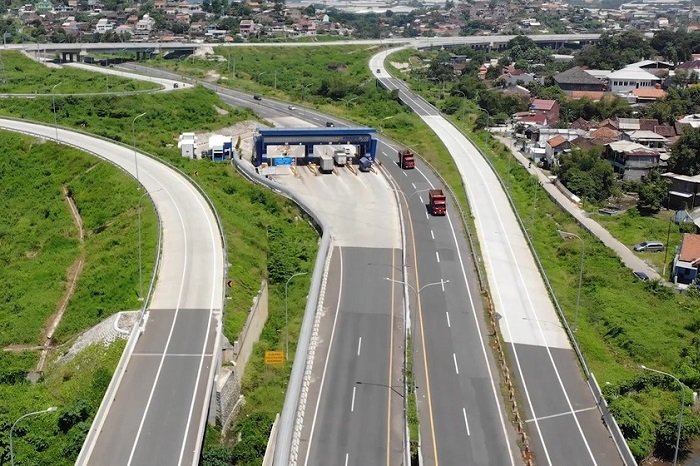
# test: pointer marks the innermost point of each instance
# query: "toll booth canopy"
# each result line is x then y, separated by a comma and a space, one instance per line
284, 146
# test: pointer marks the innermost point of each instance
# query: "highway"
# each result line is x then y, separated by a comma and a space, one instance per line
464, 419
561, 412
158, 412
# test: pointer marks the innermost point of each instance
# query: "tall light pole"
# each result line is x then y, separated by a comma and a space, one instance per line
133, 138
12, 429
53, 104
566, 234
286, 315
680, 414
407, 449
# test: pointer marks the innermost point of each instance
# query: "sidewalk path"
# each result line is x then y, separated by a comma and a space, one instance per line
625, 254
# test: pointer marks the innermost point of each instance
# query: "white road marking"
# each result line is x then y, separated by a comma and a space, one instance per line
179, 355
359, 345
432, 235
421, 199
404, 174
414, 186
454, 358
325, 365
447, 314
426, 216
346, 459
437, 256
566, 413
352, 405
442, 285
466, 423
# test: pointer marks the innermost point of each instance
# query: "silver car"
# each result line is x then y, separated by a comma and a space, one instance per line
649, 246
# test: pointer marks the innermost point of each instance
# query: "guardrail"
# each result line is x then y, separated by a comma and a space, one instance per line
287, 419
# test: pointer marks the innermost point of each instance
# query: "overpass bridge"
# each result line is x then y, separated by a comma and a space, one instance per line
142, 50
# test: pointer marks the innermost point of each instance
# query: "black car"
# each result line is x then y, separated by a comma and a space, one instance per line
257, 97
329, 124
641, 275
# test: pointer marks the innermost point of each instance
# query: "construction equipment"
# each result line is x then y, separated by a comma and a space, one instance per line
438, 202
407, 159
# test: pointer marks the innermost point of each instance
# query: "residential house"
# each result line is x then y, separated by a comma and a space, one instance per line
691, 120
684, 192
646, 94
630, 159
581, 123
627, 79
687, 261
646, 138
690, 66
576, 79
103, 25
548, 108
512, 77
517, 91
603, 135
554, 148
144, 26
246, 27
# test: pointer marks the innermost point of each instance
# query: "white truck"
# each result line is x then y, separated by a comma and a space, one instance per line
341, 156
325, 163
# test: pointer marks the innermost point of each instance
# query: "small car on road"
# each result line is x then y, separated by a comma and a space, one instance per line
649, 246
641, 276
330, 124
257, 97
291, 107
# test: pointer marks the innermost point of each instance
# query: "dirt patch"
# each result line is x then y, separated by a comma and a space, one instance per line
243, 130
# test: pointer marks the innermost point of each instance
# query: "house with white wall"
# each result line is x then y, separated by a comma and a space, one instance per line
626, 80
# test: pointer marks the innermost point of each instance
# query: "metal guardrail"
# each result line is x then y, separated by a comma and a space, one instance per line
287, 419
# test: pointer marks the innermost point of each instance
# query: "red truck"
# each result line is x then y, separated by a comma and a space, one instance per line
438, 202
407, 159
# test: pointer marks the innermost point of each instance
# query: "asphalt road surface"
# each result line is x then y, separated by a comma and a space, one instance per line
158, 413
564, 423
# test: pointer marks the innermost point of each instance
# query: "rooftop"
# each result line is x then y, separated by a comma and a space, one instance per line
576, 75
633, 74
541, 104
690, 248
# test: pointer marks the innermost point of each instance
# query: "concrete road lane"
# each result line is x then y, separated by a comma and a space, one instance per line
352, 419
159, 410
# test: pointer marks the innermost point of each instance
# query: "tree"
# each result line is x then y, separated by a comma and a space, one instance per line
685, 154
653, 190
587, 175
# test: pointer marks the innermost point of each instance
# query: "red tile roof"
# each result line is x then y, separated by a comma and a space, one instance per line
690, 248
605, 133
649, 93
541, 104
593, 95
648, 124
557, 141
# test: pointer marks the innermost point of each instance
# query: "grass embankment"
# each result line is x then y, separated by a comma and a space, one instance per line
267, 236
20, 74
38, 243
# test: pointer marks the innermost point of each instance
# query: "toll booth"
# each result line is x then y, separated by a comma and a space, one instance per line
284, 146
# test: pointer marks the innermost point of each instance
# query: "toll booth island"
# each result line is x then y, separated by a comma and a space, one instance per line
322, 146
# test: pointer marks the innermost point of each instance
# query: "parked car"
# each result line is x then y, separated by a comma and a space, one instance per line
257, 97
641, 275
649, 246
329, 124
379, 70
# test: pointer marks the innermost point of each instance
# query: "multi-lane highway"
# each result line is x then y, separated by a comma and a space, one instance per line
561, 411
158, 412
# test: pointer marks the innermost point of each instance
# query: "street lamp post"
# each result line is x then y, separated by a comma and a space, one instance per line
565, 234
53, 104
133, 137
407, 449
12, 429
286, 315
680, 414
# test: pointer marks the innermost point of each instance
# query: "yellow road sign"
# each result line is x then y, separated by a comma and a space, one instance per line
274, 358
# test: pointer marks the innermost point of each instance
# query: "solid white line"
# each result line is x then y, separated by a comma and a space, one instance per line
454, 358
466, 423
427, 217
421, 199
359, 345
346, 459
352, 405
494, 390
170, 334
179, 355
437, 256
566, 413
432, 235
447, 314
325, 365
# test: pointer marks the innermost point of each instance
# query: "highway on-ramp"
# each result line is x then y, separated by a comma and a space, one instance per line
561, 412
158, 412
